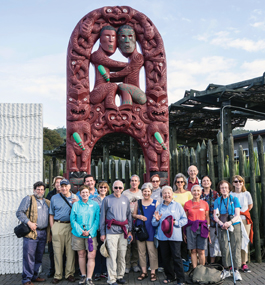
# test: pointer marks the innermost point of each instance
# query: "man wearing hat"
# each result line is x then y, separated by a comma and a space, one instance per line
60, 209
56, 190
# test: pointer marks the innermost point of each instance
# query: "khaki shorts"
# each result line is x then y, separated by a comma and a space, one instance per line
82, 243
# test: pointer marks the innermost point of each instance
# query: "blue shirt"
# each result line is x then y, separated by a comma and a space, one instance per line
221, 204
91, 196
59, 208
85, 215
173, 209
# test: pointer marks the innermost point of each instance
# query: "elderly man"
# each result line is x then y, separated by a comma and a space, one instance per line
193, 179
115, 227
56, 190
60, 209
133, 194
34, 242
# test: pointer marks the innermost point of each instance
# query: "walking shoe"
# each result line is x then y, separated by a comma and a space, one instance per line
136, 269
237, 276
121, 281
225, 274
82, 280
104, 275
160, 269
127, 270
97, 277
70, 278
89, 282
38, 279
55, 281
245, 268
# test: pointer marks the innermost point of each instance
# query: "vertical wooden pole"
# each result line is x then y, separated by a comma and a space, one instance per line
141, 170
119, 170
198, 158
133, 166
172, 168
211, 163
241, 161
254, 210
203, 160
93, 168
220, 156
99, 170
127, 175
231, 157
50, 174
106, 170
181, 161
112, 171
262, 176
192, 157
54, 166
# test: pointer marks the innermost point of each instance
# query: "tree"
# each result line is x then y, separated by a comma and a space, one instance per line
51, 139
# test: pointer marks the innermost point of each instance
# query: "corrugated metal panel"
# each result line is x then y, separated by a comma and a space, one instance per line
21, 156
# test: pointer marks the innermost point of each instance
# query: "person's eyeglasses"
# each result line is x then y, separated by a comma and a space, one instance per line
180, 182
105, 187
116, 187
238, 181
155, 181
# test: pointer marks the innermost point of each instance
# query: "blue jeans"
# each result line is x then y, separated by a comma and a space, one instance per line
32, 256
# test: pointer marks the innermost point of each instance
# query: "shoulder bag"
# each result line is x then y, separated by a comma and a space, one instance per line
23, 229
141, 230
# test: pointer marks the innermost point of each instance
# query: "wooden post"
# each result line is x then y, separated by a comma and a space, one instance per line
106, 170
112, 171
262, 177
105, 152
177, 167
93, 168
254, 210
127, 175
181, 162
231, 157
141, 170
120, 170
203, 160
198, 159
173, 138
211, 163
50, 174
172, 168
54, 167
187, 158
241, 162
133, 166
226, 126
220, 156
99, 170
192, 157
64, 166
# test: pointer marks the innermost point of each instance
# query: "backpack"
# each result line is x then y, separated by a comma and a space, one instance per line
206, 274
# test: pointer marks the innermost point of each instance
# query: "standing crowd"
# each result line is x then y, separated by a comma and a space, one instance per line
113, 232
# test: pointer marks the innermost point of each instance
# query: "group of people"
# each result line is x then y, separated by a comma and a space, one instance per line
188, 219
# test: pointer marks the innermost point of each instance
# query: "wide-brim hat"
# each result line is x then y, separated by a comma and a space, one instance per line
103, 249
167, 226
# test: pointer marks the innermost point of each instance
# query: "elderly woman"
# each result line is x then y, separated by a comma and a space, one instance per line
180, 194
210, 196
196, 231
169, 217
246, 203
227, 213
100, 267
148, 206
84, 220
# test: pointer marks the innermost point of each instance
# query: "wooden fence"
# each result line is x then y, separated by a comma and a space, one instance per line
210, 161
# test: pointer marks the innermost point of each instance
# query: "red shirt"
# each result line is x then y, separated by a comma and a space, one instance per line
190, 184
196, 210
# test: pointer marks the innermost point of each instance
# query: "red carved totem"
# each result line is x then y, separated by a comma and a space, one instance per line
91, 114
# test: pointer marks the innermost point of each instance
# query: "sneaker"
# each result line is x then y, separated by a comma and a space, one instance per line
121, 281
160, 269
127, 270
245, 268
82, 280
136, 269
97, 277
237, 276
225, 274
104, 275
89, 282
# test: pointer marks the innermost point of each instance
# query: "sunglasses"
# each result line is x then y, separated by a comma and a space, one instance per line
116, 187
103, 187
155, 181
180, 182
238, 181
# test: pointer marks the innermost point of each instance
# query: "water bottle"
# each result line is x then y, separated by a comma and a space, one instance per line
129, 239
90, 243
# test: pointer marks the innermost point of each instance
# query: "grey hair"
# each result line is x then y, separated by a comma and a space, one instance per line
134, 176
180, 175
167, 187
117, 181
195, 186
147, 185
191, 166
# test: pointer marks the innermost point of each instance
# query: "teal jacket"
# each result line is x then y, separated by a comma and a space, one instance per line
85, 214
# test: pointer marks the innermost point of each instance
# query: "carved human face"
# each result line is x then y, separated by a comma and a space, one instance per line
108, 41
77, 110
157, 111
118, 121
126, 41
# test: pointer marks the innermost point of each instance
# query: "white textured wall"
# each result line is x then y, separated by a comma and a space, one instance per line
21, 156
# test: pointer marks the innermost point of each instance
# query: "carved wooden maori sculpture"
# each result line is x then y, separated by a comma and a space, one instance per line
143, 114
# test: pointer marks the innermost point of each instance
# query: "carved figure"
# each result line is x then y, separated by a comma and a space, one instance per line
93, 114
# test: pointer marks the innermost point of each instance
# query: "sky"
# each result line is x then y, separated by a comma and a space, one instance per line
220, 42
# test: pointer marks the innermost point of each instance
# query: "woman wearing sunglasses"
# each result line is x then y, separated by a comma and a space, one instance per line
100, 266
246, 203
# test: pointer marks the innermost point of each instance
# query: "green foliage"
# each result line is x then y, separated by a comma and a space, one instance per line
61, 132
51, 139
239, 131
